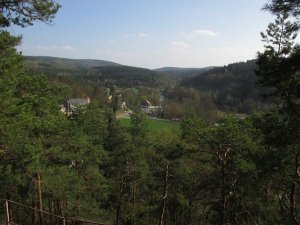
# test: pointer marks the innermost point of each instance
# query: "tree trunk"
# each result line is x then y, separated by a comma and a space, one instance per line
293, 205
63, 206
223, 200
161, 221
133, 205
33, 212
7, 216
119, 203
51, 210
40, 202
222, 155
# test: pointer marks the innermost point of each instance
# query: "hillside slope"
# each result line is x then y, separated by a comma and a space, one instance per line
179, 72
97, 72
44, 62
233, 87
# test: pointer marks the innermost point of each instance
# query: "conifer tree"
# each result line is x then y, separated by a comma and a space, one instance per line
279, 71
25, 12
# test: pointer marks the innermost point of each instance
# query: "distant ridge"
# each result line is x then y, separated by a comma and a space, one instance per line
90, 71
182, 68
183, 72
65, 63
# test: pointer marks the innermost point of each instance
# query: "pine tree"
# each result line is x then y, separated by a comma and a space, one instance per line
279, 71
25, 12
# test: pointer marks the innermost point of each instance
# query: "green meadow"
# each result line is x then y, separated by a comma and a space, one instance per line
154, 124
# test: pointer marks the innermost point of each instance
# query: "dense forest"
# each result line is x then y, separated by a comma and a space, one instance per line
217, 168
233, 87
180, 73
95, 72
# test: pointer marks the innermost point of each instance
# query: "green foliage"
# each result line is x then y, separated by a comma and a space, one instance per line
280, 35
91, 165
279, 70
23, 13
180, 73
97, 72
282, 75
278, 67
233, 88
180, 101
223, 151
153, 125
291, 8
138, 125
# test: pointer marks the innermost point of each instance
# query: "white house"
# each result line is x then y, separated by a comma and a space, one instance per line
150, 109
69, 106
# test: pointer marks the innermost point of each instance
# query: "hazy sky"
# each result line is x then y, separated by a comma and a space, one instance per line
151, 33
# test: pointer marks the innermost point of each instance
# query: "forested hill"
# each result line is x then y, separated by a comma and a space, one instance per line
64, 63
233, 87
98, 72
179, 72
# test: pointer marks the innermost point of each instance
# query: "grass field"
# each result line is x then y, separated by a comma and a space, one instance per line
153, 124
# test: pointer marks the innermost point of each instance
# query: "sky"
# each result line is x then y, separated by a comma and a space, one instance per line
151, 33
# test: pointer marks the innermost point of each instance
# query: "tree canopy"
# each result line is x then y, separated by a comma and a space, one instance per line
25, 12
290, 7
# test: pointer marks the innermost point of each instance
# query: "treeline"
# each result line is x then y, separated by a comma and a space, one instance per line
87, 72
179, 73
233, 88
88, 166
180, 101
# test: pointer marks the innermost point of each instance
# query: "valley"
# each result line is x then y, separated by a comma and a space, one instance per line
206, 91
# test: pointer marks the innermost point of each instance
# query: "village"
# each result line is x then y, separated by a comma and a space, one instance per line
69, 106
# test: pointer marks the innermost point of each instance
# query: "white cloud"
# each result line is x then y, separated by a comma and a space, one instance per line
67, 48
137, 35
55, 48
204, 33
142, 35
43, 48
180, 44
198, 33
100, 52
